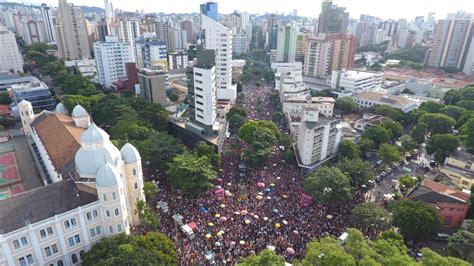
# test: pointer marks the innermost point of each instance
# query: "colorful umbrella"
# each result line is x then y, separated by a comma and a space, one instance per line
290, 251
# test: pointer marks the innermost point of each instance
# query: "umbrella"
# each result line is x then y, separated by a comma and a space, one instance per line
223, 219
272, 184
221, 170
274, 164
219, 180
269, 197
242, 242
227, 193
218, 244
277, 225
290, 251
237, 213
271, 248
275, 210
220, 233
243, 212
217, 215
210, 224
202, 210
278, 178
208, 236
255, 216
260, 193
329, 216
296, 232
265, 218
222, 205
247, 221
232, 243
260, 184
284, 222
267, 190
259, 197
229, 184
285, 196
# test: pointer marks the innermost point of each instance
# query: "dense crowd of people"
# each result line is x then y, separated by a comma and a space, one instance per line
259, 210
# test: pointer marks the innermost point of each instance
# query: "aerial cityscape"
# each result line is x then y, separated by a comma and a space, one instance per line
236, 132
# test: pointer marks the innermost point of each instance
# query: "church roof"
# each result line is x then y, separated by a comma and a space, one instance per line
130, 154
107, 176
94, 134
61, 109
79, 111
61, 139
41, 203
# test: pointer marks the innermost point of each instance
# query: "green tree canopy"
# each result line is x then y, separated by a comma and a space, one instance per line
160, 149
437, 123
452, 111
327, 251
408, 143
359, 172
395, 128
419, 131
466, 104
154, 248
366, 145
266, 257
431, 107
442, 145
407, 181
468, 130
367, 215
191, 173
378, 134
388, 154
269, 128
415, 219
346, 105
328, 184
204, 149
461, 244
5, 98
236, 121
236, 110
432, 258
348, 149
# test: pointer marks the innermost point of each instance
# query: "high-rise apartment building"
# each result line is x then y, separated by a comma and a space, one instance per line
469, 64
333, 19
153, 83
286, 45
187, 26
178, 60
10, 57
46, 12
451, 40
219, 39
71, 32
202, 94
343, 49
109, 16
129, 30
151, 53
272, 32
210, 9
302, 40
111, 57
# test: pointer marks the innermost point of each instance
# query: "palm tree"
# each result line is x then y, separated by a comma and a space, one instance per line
140, 210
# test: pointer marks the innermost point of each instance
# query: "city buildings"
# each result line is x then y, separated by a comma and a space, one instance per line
294, 106
56, 224
349, 82
36, 92
202, 92
239, 44
10, 57
153, 84
109, 16
209, 9
333, 19
47, 14
291, 84
286, 44
451, 41
370, 98
71, 32
151, 52
219, 39
451, 203
459, 169
178, 60
469, 64
272, 32
111, 57
129, 30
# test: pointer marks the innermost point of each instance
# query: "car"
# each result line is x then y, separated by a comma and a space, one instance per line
367, 155
378, 163
401, 163
389, 170
383, 174
378, 178
371, 183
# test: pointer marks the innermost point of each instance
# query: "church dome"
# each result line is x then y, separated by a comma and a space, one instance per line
79, 111
107, 176
60, 109
88, 162
130, 154
94, 134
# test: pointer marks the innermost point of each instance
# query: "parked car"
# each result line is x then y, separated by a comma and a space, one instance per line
383, 174
378, 163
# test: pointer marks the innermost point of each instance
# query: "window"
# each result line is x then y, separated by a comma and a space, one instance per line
74, 240
447, 221
20, 243
47, 232
81, 254
53, 249
134, 171
111, 229
119, 228
104, 196
107, 213
114, 196
95, 231
135, 186
117, 212
60, 263
26, 260
71, 223
74, 258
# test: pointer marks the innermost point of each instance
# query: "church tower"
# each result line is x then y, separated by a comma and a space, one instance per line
27, 116
81, 117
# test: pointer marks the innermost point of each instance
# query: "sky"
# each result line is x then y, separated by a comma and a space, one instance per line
384, 9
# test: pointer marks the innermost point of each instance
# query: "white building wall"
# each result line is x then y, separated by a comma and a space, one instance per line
110, 58
45, 157
10, 57
469, 64
205, 95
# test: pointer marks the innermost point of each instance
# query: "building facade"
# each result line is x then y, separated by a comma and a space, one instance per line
349, 82
286, 44
151, 53
178, 60
153, 84
370, 99
10, 57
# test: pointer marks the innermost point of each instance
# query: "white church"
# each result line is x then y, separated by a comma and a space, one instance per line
90, 191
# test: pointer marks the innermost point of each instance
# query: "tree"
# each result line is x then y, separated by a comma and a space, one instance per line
407, 181
105, 111
173, 97
378, 134
191, 173
266, 257
395, 128
236, 110
328, 184
461, 244
348, 149
452, 97
149, 188
327, 251
129, 126
236, 121
432, 258
155, 114
442, 145
204, 149
346, 105
286, 140
415, 219
257, 153
419, 131
277, 116
437, 123
431, 107
452, 111
466, 104
148, 219
154, 248
388, 154
5, 98
390, 112
367, 215
366, 145
408, 143
359, 172
468, 130
160, 149
269, 129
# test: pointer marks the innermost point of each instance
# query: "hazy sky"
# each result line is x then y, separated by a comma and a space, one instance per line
381, 8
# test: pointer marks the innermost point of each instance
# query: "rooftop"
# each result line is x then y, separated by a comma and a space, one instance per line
61, 139
41, 203
462, 156
433, 192
385, 98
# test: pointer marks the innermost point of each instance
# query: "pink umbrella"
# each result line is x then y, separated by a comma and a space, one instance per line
260, 184
290, 251
223, 219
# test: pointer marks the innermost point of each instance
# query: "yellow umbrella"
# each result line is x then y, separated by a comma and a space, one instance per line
208, 236
265, 218
272, 184
277, 225
242, 242
259, 197
210, 224
285, 196
255, 216
222, 205
243, 212
220, 233
217, 215
247, 221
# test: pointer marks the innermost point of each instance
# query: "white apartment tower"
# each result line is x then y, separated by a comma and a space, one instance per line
109, 16
317, 58
219, 39
72, 37
10, 57
110, 59
129, 30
